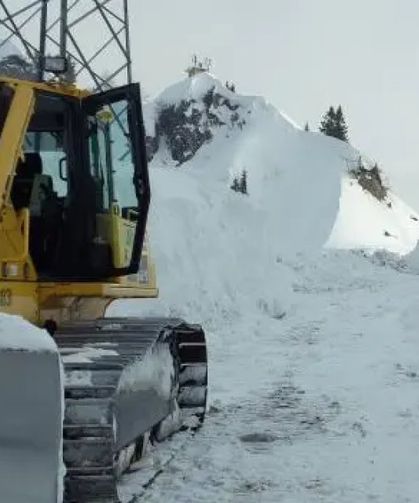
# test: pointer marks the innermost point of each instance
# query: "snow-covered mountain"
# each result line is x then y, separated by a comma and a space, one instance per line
218, 250
314, 190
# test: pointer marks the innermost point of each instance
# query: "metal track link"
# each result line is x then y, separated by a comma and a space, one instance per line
107, 411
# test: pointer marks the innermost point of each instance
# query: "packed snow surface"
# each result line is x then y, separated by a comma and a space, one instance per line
318, 406
85, 354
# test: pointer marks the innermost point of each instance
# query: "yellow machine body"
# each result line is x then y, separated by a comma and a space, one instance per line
22, 291
94, 392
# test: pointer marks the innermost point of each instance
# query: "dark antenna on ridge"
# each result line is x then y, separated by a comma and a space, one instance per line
53, 34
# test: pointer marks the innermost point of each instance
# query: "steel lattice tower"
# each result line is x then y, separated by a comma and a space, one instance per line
92, 34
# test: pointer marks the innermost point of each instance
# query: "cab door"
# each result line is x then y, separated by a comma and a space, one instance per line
117, 161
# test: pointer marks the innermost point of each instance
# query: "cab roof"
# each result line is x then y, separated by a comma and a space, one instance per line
50, 87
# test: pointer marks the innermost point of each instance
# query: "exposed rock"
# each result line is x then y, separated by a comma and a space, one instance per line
258, 437
152, 144
188, 125
370, 180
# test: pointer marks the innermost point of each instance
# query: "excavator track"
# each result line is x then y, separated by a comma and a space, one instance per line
126, 380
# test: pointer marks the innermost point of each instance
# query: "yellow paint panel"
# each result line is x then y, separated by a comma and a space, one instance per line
11, 140
80, 290
50, 87
14, 226
14, 229
19, 298
120, 234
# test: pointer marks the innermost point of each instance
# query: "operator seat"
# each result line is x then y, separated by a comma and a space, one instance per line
26, 171
34, 190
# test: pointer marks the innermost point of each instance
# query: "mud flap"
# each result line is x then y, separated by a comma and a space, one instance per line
31, 409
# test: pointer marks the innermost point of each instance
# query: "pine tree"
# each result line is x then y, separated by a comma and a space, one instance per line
341, 129
306, 127
327, 124
334, 124
239, 184
235, 185
243, 182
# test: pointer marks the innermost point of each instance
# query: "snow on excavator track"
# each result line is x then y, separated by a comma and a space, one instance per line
125, 379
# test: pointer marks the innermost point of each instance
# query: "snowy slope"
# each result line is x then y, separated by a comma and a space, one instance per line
220, 252
364, 222
311, 350
319, 406
300, 179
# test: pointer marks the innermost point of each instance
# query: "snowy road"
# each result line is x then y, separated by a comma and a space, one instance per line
319, 406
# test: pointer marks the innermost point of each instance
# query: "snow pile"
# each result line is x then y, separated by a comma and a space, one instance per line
220, 253
364, 222
31, 422
84, 354
154, 372
17, 334
411, 261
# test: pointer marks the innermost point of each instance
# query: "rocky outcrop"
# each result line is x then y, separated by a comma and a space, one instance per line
370, 179
186, 126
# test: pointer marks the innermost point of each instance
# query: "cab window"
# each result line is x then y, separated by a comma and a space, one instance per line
111, 162
6, 95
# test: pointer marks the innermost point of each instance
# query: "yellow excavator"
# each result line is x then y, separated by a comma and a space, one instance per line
74, 199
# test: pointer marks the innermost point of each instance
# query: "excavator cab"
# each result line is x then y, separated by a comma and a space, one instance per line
83, 178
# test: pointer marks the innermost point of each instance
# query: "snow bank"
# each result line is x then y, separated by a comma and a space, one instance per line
411, 261
293, 176
154, 372
297, 179
220, 253
85, 354
364, 222
214, 253
17, 334
32, 398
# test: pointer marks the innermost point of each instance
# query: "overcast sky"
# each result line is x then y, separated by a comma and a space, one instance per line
302, 55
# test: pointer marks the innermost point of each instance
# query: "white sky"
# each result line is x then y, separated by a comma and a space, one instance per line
302, 55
